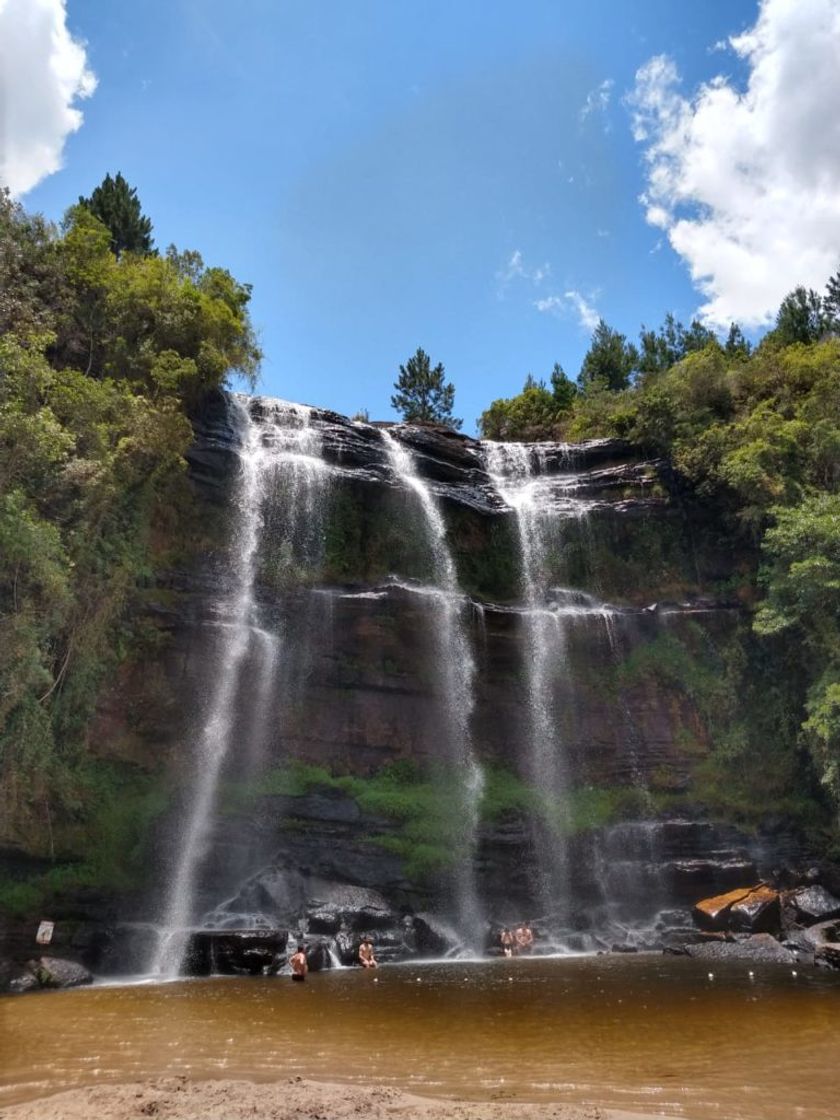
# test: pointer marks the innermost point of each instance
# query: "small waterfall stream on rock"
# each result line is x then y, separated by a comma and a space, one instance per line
540, 503
457, 671
272, 435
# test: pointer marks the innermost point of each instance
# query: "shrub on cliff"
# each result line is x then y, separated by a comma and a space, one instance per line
100, 358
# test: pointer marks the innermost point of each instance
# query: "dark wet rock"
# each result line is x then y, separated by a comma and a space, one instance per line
433, 938
759, 912
253, 952
318, 956
760, 947
814, 904
828, 954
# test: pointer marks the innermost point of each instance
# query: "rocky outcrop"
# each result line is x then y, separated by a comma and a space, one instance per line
761, 948
49, 972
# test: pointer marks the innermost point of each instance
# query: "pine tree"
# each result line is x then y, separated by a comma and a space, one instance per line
563, 389
831, 302
801, 318
736, 345
422, 395
610, 360
117, 206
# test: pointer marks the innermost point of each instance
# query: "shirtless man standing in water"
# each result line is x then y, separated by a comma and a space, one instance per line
366, 957
298, 963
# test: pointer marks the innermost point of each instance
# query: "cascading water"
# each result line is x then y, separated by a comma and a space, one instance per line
457, 671
540, 503
279, 452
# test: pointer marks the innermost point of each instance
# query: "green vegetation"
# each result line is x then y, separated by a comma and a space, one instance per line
104, 348
422, 395
537, 413
425, 810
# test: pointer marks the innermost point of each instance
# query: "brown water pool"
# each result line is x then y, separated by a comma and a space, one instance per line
649, 1033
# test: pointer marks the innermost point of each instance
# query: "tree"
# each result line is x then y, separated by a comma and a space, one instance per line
660, 351
736, 345
610, 360
563, 389
422, 395
801, 318
117, 206
831, 302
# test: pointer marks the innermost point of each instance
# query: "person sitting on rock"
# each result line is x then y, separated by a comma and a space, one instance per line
298, 963
506, 942
524, 938
366, 957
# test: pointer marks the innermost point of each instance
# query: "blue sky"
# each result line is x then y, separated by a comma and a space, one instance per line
391, 175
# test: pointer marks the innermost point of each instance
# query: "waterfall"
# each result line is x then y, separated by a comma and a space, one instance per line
456, 669
540, 503
271, 435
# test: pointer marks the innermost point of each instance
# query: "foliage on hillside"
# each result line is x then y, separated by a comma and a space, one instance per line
101, 357
756, 435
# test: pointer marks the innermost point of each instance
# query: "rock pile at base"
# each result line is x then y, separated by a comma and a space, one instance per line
762, 923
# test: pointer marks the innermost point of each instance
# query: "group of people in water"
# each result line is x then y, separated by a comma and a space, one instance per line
517, 941
513, 943
300, 966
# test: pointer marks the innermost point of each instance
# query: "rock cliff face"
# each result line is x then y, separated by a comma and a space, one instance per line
595, 618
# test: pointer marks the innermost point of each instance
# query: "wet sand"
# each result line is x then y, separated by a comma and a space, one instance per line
177, 1098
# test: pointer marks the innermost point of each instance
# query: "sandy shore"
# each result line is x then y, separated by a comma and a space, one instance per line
176, 1098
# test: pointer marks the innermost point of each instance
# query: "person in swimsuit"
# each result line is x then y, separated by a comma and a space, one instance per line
299, 965
506, 942
366, 957
524, 938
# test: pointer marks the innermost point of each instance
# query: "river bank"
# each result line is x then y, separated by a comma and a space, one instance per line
177, 1098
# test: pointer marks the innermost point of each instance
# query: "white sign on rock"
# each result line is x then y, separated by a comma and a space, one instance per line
45, 933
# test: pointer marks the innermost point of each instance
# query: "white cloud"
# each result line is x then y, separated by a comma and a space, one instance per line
746, 183
515, 269
572, 300
598, 99
43, 72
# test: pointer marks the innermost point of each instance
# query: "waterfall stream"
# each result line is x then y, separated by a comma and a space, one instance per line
279, 436
541, 503
456, 668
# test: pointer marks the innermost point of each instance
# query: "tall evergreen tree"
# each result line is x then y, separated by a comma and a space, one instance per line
563, 389
117, 206
831, 302
422, 394
736, 345
609, 361
801, 318
660, 351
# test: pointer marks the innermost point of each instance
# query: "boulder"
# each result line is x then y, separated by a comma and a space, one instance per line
23, 982
814, 904
760, 947
55, 972
828, 954
759, 912
250, 952
318, 957
713, 913
819, 934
